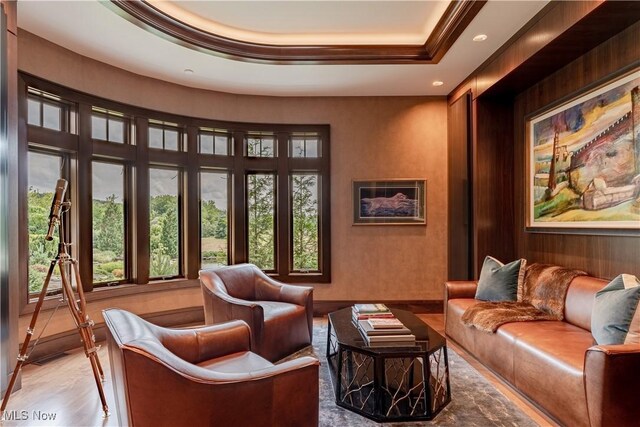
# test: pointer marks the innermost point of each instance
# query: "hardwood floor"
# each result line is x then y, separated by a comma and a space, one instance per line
63, 387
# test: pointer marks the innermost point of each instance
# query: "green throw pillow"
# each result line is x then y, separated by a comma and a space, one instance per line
499, 282
616, 318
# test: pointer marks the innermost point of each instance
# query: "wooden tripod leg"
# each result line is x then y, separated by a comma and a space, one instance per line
22, 357
83, 323
83, 312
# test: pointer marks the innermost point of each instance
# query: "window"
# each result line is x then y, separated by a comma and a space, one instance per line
151, 212
213, 141
214, 219
164, 229
261, 212
50, 111
165, 136
260, 145
44, 172
305, 222
107, 125
108, 222
304, 145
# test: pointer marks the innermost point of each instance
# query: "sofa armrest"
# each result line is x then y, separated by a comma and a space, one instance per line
611, 377
458, 289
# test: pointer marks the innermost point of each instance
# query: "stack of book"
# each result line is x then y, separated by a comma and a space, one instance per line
380, 328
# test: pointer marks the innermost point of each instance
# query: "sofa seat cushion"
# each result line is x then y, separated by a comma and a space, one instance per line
548, 366
237, 363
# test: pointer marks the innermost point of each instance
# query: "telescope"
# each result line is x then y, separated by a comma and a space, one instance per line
67, 266
56, 205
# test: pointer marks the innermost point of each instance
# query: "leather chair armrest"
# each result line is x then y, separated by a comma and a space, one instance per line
300, 295
272, 290
196, 345
611, 377
249, 311
154, 355
289, 366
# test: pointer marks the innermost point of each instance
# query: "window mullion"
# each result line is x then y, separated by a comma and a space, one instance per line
84, 245
141, 252
240, 252
191, 191
283, 223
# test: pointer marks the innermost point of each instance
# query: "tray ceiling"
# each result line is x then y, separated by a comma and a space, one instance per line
93, 30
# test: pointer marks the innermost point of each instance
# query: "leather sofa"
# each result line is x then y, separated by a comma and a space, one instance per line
203, 377
280, 316
556, 364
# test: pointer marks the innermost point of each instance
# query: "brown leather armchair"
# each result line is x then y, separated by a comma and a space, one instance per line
203, 377
280, 316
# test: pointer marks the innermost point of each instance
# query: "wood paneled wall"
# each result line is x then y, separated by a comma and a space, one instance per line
600, 255
493, 180
566, 47
460, 219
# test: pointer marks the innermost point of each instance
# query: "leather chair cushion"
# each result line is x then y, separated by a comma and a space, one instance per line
548, 366
237, 363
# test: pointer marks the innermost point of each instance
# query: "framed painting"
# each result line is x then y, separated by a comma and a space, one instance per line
390, 202
583, 161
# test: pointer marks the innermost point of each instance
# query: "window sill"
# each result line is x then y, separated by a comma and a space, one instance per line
108, 292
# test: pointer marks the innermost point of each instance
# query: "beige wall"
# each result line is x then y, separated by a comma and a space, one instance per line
371, 137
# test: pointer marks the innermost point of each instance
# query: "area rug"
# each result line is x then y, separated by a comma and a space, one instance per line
474, 401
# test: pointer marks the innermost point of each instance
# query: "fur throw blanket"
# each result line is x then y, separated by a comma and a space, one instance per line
541, 296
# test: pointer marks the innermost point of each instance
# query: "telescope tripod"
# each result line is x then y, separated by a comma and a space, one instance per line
78, 309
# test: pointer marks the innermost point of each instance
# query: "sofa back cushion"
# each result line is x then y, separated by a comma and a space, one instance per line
580, 299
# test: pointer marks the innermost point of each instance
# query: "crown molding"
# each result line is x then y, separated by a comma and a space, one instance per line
456, 18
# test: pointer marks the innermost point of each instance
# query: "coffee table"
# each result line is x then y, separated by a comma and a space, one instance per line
388, 383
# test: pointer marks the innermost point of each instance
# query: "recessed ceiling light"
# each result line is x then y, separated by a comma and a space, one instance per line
480, 38
188, 71
438, 83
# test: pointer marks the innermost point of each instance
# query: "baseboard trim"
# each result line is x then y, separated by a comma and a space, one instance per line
53, 345
321, 308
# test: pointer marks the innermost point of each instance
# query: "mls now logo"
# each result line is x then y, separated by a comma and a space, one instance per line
23, 415
15, 415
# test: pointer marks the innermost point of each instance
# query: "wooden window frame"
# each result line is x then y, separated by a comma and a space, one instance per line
164, 126
108, 114
229, 174
138, 158
181, 215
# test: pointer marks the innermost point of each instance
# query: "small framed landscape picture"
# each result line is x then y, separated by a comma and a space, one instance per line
390, 202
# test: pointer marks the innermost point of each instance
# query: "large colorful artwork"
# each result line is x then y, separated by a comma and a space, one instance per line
584, 160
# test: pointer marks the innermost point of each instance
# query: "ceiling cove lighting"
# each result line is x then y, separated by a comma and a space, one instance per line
480, 38
437, 83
